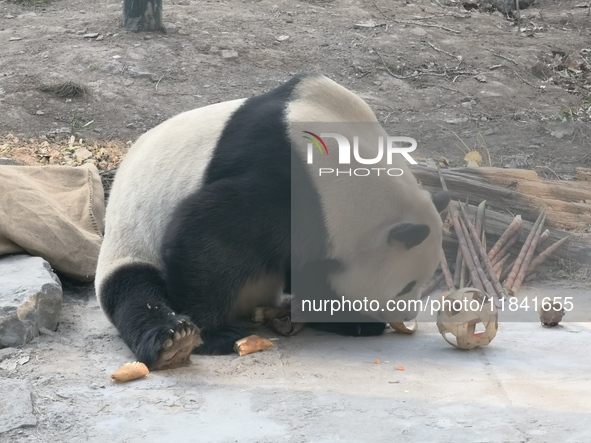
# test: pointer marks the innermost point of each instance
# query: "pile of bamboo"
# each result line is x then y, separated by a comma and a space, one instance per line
491, 272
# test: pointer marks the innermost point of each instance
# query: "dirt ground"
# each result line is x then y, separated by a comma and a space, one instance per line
453, 76
462, 78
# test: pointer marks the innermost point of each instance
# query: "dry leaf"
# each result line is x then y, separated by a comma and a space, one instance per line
473, 156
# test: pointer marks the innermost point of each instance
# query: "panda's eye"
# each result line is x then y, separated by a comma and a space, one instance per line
407, 289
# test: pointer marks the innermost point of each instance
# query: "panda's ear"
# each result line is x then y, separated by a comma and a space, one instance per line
410, 234
441, 200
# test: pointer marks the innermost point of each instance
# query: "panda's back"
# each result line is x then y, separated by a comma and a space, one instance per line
158, 172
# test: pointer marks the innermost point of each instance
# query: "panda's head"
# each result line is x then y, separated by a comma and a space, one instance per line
394, 258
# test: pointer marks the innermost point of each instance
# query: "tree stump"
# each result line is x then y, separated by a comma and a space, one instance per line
142, 15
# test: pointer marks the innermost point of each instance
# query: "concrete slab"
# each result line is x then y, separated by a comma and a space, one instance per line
532, 384
30, 299
16, 408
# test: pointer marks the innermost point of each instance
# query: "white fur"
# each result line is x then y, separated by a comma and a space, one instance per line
179, 149
360, 211
183, 147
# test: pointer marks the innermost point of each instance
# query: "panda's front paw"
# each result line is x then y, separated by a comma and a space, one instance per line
169, 345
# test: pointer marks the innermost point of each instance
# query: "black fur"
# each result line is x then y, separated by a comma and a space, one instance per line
407, 288
352, 329
237, 226
410, 234
134, 298
441, 200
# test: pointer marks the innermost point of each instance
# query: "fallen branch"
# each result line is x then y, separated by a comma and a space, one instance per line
523, 80
427, 25
496, 54
456, 57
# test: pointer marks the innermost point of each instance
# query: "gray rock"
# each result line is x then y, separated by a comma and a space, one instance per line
16, 407
30, 299
82, 153
91, 35
229, 53
112, 67
136, 73
418, 31
563, 129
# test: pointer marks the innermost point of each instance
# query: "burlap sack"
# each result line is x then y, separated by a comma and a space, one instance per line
55, 212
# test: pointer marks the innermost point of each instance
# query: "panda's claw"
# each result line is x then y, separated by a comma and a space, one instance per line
177, 346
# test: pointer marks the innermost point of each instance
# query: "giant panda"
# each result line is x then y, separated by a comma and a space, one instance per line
198, 224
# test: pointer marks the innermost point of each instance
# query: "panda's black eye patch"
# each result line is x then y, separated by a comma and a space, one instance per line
407, 289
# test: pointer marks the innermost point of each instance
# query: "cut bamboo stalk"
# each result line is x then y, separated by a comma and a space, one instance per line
521, 257
506, 247
431, 286
545, 254
449, 281
509, 232
480, 217
545, 236
498, 267
528, 258
458, 268
505, 273
492, 275
476, 272
453, 212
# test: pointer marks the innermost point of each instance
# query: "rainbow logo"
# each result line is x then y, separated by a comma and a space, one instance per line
317, 141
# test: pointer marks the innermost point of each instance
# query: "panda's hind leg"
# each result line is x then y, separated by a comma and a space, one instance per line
134, 297
218, 268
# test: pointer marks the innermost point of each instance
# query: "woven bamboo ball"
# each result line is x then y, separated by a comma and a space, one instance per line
464, 312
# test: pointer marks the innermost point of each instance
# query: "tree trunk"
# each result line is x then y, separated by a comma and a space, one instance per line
142, 15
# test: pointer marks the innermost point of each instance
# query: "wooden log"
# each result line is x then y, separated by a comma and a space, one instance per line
518, 191
583, 173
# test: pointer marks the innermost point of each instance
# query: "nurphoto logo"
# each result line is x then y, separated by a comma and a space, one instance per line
386, 147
